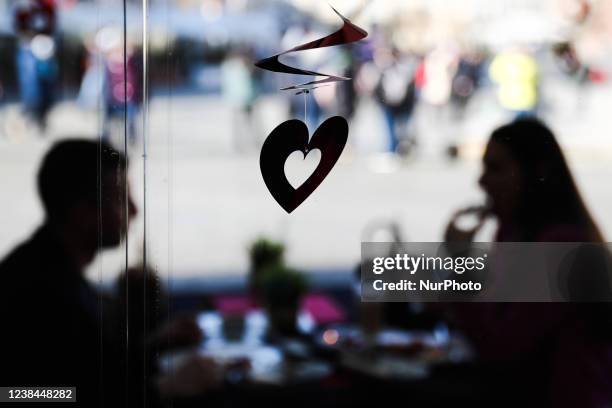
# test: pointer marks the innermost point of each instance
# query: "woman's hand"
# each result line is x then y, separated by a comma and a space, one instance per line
456, 234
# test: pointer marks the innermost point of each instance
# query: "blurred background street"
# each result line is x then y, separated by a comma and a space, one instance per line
219, 200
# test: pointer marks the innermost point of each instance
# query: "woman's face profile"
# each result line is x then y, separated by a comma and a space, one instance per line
500, 180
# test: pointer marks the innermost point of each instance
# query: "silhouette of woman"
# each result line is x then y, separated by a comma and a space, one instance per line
559, 354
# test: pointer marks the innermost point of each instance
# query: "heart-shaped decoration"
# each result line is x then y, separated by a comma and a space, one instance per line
290, 136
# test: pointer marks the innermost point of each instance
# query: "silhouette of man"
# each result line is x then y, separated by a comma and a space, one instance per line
56, 327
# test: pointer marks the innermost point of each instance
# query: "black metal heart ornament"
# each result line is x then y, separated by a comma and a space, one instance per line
291, 136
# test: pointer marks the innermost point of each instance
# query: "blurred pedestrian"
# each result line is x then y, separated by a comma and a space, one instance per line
122, 88
346, 94
515, 71
91, 91
397, 95
435, 83
35, 23
467, 79
238, 88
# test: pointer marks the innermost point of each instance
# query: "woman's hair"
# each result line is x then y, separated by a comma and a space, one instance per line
548, 193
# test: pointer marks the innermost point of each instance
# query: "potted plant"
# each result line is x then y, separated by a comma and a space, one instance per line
263, 254
282, 291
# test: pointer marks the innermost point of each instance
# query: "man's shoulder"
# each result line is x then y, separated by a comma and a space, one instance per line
25, 259
18, 258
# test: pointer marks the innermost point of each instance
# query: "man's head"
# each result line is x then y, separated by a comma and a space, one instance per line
83, 187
